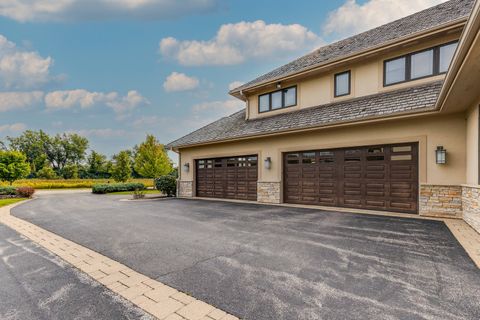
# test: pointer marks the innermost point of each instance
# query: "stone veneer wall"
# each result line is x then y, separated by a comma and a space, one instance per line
269, 192
441, 201
185, 188
471, 206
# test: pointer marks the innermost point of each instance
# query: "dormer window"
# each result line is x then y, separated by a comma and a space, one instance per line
277, 100
419, 65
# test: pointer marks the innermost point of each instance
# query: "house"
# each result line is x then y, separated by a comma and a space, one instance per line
384, 120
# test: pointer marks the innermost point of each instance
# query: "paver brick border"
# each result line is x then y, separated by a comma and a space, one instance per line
154, 297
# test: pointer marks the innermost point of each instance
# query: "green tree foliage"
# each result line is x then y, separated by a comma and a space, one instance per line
151, 159
32, 144
122, 166
98, 166
70, 171
47, 173
60, 150
13, 166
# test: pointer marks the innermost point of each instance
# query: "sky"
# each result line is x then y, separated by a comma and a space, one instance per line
115, 71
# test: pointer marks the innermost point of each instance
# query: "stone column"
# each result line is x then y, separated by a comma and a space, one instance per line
269, 192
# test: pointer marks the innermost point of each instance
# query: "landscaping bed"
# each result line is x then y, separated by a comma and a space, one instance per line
70, 183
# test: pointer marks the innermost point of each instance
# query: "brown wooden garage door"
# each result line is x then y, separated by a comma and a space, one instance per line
375, 177
231, 178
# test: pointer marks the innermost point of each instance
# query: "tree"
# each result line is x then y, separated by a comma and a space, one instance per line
2, 146
70, 171
151, 160
65, 149
97, 165
47, 173
13, 166
122, 166
32, 144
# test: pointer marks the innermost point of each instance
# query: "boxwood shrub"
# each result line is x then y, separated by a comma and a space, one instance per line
117, 187
7, 191
167, 185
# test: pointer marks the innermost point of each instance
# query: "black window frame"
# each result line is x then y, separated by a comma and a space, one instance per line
408, 64
349, 72
269, 94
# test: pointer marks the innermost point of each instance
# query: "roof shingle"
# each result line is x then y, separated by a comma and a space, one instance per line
411, 100
421, 21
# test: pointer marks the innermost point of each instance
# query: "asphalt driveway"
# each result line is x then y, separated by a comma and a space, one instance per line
266, 262
35, 284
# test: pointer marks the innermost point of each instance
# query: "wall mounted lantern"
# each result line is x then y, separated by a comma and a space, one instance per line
186, 167
279, 85
267, 163
441, 155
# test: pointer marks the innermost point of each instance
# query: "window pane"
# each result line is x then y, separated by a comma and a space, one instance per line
395, 71
342, 84
446, 56
264, 103
422, 64
276, 100
290, 97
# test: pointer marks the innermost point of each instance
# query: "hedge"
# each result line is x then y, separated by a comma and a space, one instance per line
69, 183
117, 187
8, 191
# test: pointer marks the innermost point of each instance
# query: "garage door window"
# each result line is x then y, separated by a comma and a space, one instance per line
293, 158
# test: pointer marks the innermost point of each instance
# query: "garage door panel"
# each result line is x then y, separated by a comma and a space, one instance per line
233, 178
379, 177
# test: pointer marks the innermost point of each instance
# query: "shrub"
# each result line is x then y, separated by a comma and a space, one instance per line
25, 192
47, 173
117, 187
138, 194
8, 191
167, 185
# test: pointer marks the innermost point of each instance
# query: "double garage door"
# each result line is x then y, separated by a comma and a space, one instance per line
377, 177
230, 178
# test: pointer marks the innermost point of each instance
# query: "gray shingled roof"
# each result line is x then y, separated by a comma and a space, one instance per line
421, 21
411, 100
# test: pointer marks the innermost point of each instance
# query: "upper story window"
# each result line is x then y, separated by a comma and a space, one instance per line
277, 100
418, 65
342, 84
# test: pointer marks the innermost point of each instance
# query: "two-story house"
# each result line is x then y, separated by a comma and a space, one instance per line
383, 120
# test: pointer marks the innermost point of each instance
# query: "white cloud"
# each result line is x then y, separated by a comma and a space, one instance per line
19, 100
352, 17
21, 69
206, 112
180, 82
235, 84
81, 98
15, 127
104, 133
78, 10
234, 43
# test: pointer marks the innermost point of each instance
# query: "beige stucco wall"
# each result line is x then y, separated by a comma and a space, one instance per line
366, 79
445, 130
472, 145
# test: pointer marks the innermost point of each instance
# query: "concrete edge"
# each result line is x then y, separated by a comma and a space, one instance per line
150, 295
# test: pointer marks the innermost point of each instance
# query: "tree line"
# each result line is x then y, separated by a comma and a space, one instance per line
67, 156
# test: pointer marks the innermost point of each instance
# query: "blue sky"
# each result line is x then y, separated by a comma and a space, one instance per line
117, 70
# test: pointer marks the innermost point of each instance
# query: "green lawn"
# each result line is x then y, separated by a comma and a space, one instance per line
131, 192
6, 202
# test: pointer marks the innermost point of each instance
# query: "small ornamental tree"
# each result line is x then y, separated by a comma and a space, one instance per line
122, 166
13, 166
151, 159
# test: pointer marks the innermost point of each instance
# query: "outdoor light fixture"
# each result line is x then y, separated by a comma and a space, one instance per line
279, 85
268, 163
186, 167
441, 155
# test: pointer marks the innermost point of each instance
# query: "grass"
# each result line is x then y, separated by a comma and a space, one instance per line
69, 183
6, 202
131, 192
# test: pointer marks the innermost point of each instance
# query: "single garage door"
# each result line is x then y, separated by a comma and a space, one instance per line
376, 177
230, 178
